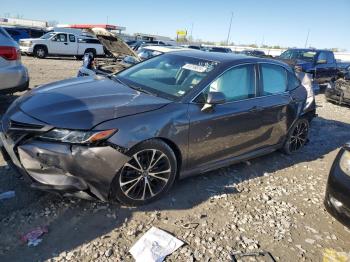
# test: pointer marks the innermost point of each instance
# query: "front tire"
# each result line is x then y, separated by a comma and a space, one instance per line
40, 52
149, 174
297, 136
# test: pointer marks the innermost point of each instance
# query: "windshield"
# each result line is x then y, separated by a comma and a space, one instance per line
47, 35
169, 76
299, 54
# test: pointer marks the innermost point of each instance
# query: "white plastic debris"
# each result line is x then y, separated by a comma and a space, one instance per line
154, 246
7, 195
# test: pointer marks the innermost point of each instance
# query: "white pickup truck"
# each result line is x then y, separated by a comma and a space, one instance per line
61, 44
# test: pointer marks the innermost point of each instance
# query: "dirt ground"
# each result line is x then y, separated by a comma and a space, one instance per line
272, 203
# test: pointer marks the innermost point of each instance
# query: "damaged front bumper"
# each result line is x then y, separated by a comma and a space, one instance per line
85, 171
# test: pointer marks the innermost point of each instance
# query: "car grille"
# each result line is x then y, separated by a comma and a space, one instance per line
17, 130
25, 126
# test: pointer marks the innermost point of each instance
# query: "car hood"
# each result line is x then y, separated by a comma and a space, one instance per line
114, 44
31, 39
82, 103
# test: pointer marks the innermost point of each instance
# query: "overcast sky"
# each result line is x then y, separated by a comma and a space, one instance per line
273, 22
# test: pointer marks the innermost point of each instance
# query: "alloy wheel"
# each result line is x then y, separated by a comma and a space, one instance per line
299, 136
145, 175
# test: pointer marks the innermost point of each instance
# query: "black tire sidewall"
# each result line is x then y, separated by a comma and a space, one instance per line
116, 190
36, 52
286, 146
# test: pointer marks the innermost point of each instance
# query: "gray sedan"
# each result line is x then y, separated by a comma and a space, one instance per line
13, 75
129, 136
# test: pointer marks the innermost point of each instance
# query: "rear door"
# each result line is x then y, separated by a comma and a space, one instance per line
275, 100
72, 46
229, 129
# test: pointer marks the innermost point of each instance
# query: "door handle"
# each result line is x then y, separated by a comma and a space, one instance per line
66, 43
256, 109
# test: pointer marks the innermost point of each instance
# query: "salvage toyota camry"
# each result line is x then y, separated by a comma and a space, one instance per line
129, 136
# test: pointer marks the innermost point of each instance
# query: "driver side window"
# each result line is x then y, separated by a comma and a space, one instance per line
60, 38
236, 84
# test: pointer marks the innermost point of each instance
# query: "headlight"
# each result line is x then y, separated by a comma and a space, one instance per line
345, 162
77, 137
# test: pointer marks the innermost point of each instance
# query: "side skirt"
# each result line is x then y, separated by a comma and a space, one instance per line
229, 161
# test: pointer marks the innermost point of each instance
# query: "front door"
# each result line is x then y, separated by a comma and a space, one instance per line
59, 44
229, 129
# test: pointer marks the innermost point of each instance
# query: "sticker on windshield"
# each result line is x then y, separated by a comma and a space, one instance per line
196, 68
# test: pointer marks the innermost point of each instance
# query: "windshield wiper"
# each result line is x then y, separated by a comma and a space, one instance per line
141, 90
131, 86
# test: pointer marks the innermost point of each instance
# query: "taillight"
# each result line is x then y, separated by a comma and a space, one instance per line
9, 53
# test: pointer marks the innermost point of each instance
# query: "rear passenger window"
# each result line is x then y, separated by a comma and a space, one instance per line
274, 79
71, 38
237, 83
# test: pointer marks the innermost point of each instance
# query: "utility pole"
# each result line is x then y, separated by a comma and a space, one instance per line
192, 32
229, 29
307, 37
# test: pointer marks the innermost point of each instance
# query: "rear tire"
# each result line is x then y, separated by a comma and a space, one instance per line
40, 52
297, 136
148, 175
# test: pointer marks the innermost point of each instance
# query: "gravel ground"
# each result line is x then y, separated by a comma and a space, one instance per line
272, 203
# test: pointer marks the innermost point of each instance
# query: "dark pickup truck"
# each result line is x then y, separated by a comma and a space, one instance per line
321, 64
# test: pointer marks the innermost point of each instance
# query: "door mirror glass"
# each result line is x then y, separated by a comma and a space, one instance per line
215, 98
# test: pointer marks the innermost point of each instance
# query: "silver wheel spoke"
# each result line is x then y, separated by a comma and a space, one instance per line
127, 191
130, 181
133, 167
152, 158
155, 162
150, 188
137, 161
158, 177
144, 190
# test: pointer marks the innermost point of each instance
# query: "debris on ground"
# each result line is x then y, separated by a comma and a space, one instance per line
260, 254
7, 195
32, 238
154, 246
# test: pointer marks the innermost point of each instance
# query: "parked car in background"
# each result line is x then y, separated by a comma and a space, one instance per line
219, 49
129, 136
13, 75
61, 44
118, 55
17, 32
90, 66
337, 199
257, 53
148, 52
321, 64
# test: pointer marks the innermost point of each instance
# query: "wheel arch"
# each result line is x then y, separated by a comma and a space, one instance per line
40, 45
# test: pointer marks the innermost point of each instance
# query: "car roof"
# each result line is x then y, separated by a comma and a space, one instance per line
165, 49
309, 49
228, 58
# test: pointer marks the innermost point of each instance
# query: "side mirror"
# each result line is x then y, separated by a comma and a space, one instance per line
214, 98
322, 61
